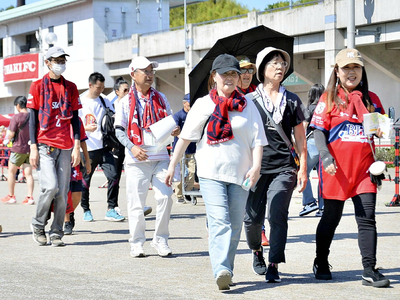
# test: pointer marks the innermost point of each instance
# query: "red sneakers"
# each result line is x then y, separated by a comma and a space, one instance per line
28, 200
9, 199
264, 240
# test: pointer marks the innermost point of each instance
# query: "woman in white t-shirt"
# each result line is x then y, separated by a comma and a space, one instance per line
228, 155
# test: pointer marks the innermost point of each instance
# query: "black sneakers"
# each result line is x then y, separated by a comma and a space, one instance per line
68, 228
372, 277
322, 270
259, 266
272, 275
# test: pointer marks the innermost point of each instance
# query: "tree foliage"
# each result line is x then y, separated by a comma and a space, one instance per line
206, 11
7, 8
285, 4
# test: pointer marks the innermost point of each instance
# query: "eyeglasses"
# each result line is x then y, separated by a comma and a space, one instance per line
232, 74
244, 71
276, 64
59, 61
148, 73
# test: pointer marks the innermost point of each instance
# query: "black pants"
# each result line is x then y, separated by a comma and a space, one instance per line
119, 157
274, 191
364, 207
105, 160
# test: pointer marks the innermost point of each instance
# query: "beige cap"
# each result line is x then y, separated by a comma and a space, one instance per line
349, 56
244, 61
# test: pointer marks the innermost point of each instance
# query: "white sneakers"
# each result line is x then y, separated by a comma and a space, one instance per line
224, 280
162, 248
137, 251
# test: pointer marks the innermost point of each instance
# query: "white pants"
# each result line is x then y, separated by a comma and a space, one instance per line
138, 179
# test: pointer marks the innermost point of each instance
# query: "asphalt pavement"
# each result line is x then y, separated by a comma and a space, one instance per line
95, 263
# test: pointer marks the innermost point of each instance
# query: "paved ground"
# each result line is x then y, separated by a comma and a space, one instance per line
96, 264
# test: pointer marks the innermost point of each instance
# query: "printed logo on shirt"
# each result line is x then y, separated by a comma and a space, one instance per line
353, 133
55, 105
320, 107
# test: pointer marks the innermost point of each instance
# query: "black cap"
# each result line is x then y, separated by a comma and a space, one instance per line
224, 63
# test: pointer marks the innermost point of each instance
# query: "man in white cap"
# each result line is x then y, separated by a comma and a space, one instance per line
54, 103
145, 161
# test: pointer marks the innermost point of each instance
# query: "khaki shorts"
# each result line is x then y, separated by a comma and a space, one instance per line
19, 159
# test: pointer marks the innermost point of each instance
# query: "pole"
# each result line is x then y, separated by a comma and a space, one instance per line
185, 28
351, 27
395, 200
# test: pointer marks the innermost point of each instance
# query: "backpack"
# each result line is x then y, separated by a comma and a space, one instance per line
107, 129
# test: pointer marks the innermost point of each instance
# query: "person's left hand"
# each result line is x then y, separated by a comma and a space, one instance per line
253, 174
88, 167
379, 132
169, 175
75, 157
176, 131
302, 180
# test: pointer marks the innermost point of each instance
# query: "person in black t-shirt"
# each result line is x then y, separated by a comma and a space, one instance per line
279, 176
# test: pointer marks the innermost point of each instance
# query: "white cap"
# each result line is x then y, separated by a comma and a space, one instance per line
141, 62
55, 52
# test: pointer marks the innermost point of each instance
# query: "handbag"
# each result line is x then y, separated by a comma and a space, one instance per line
377, 169
265, 114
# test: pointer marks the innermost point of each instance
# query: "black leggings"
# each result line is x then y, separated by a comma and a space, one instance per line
364, 207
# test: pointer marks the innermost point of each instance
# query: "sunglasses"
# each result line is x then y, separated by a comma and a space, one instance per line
250, 71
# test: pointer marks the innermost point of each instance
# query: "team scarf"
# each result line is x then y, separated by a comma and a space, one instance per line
47, 97
153, 111
355, 106
219, 128
250, 89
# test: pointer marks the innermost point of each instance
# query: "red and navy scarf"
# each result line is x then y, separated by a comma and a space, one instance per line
250, 89
219, 128
355, 107
47, 97
153, 111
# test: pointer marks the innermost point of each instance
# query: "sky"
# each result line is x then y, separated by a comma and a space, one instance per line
257, 4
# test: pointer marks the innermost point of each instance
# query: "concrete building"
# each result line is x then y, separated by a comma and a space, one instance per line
101, 41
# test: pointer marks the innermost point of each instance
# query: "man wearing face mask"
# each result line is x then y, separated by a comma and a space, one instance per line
53, 102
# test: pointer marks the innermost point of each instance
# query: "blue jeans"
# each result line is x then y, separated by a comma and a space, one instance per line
312, 161
225, 207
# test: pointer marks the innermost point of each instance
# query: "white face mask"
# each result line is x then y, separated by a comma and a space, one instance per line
58, 69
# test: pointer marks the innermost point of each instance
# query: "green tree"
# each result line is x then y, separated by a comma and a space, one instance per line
206, 11
285, 4
7, 8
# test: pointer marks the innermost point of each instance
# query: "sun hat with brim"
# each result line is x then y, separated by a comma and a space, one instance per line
263, 53
55, 52
225, 63
349, 56
141, 62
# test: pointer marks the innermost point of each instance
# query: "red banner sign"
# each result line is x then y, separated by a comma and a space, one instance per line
21, 67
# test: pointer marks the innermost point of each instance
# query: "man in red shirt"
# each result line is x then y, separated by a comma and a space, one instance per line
54, 104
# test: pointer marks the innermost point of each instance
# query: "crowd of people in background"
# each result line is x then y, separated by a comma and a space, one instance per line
248, 145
